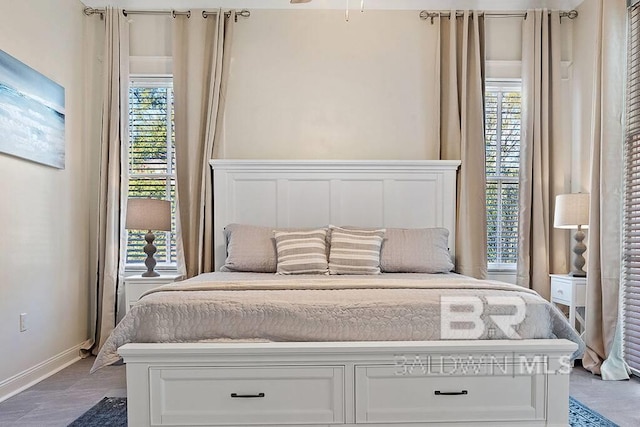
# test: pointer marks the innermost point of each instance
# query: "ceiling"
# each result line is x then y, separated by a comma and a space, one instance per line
504, 5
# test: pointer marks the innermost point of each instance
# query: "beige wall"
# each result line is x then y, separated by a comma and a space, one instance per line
308, 85
44, 212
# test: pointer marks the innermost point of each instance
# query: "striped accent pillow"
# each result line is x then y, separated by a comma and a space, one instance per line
355, 251
301, 252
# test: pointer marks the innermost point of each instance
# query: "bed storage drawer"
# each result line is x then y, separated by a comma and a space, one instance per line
277, 395
386, 395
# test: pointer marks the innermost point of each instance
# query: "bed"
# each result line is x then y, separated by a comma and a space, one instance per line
265, 349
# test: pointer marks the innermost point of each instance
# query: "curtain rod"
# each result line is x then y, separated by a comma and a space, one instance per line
93, 11
426, 14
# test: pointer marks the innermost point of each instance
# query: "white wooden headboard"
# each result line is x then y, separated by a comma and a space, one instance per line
308, 193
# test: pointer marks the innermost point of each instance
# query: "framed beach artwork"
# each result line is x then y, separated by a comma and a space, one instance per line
31, 114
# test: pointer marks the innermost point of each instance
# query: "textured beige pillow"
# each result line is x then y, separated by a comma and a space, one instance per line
250, 248
301, 252
416, 250
355, 251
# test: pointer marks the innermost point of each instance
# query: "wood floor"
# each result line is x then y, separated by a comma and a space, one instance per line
62, 398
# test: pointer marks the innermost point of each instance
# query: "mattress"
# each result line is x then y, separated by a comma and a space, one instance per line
389, 307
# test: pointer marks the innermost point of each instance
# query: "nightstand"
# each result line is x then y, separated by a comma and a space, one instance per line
135, 286
572, 292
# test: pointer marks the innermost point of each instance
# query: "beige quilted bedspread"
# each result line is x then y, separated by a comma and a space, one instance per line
266, 307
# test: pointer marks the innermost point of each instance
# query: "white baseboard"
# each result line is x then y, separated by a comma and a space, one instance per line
27, 378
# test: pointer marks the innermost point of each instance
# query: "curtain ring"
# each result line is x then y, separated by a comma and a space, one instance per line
173, 14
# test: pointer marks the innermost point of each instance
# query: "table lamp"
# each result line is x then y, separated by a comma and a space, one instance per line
572, 212
149, 214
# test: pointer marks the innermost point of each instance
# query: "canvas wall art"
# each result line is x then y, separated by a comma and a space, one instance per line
31, 114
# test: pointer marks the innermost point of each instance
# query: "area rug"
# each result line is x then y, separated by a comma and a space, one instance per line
112, 412
583, 416
109, 412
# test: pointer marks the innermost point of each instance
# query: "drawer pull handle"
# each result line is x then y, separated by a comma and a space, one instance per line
560, 291
247, 396
450, 393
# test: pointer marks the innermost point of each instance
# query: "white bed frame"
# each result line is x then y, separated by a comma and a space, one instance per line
384, 384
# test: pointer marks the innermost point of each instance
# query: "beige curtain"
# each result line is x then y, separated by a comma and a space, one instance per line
110, 212
201, 57
603, 329
461, 56
541, 248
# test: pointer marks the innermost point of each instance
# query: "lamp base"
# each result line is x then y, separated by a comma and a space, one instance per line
150, 274
150, 262
578, 249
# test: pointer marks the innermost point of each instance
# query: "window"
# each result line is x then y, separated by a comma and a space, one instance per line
631, 244
151, 161
502, 141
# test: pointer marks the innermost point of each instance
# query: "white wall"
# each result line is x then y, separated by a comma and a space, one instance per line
44, 212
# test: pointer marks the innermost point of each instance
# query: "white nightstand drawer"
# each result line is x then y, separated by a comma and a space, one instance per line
572, 292
561, 291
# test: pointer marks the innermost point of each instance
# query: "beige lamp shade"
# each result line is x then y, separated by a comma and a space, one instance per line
148, 214
572, 210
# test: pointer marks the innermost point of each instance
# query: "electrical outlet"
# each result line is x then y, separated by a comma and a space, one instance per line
23, 322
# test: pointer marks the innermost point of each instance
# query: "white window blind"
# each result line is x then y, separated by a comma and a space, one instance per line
631, 248
502, 139
151, 161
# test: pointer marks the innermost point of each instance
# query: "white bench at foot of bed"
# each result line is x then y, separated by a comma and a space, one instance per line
452, 383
